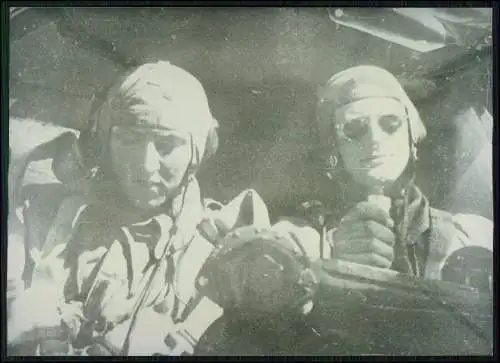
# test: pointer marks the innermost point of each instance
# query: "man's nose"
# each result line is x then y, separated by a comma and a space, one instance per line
151, 158
375, 133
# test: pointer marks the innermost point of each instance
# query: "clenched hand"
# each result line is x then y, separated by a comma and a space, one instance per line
365, 236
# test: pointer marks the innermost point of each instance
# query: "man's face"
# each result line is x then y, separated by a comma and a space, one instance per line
149, 162
373, 140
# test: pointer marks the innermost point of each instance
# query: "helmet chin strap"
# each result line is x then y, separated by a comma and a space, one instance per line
178, 198
413, 150
194, 161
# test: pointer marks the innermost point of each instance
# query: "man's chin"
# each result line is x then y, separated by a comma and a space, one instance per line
384, 174
376, 179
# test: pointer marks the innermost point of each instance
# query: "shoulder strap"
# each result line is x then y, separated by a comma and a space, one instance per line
440, 241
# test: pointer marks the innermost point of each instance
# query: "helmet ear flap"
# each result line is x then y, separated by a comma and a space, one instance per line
212, 143
416, 131
87, 142
88, 147
416, 126
330, 160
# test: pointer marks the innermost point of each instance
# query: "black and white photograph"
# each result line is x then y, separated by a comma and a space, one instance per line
250, 181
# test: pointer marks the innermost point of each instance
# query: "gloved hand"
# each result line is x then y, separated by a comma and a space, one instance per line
365, 236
